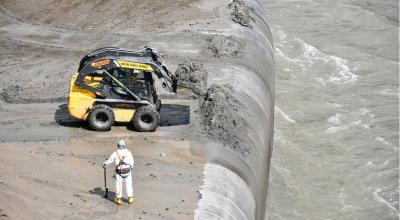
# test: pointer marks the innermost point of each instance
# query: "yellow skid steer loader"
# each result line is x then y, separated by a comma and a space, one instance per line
117, 85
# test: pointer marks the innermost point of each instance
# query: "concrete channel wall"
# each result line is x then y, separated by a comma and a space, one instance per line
236, 177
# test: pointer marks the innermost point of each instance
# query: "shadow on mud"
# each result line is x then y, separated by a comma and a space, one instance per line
100, 192
170, 114
62, 117
173, 115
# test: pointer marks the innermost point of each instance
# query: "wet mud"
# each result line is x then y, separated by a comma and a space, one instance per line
221, 119
220, 46
241, 13
11, 95
192, 75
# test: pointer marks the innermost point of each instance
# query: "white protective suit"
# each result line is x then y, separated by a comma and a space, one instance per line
127, 157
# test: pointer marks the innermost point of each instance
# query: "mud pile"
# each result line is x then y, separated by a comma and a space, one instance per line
193, 76
241, 13
9, 94
219, 46
220, 118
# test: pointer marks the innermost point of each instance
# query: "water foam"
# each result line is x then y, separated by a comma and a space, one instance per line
342, 199
343, 73
285, 116
310, 56
382, 140
359, 118
384, 201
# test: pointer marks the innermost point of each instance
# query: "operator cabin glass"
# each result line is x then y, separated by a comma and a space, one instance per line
134, 80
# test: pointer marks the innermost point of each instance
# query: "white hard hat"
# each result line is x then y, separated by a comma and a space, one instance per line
121, 144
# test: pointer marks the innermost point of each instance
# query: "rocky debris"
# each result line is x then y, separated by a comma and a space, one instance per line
221, 120
192, 75
241, 13
223, 46
10, 93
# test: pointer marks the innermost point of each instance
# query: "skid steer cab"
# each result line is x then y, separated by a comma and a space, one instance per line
117, 85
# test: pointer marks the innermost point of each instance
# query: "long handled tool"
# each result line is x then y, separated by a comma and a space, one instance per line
105, 182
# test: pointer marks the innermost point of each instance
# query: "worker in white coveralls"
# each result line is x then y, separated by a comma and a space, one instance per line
124, 161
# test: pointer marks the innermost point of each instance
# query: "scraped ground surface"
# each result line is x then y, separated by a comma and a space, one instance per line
53, 170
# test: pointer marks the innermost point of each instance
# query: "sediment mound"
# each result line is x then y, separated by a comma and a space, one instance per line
9, 94
192, 75
221, 120
241, 13
219, 46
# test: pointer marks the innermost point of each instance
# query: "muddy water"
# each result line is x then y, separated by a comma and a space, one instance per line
336, 117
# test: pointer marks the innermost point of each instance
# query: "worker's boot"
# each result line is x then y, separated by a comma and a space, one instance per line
131, 200
118, 201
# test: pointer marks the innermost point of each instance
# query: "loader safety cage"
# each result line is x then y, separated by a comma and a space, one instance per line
117, 85
100, 61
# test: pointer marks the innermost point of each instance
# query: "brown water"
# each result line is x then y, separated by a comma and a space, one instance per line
336, 150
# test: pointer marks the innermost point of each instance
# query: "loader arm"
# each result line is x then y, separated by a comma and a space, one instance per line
168, 79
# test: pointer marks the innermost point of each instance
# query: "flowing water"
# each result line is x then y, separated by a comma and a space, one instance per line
336, 151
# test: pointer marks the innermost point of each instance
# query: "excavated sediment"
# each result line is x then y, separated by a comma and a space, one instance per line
10, 93
192, 75
220, 46
237, 115
242, 13
221, 120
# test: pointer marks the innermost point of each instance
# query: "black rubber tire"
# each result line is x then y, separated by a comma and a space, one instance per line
158, 105
146, 119
101, 118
